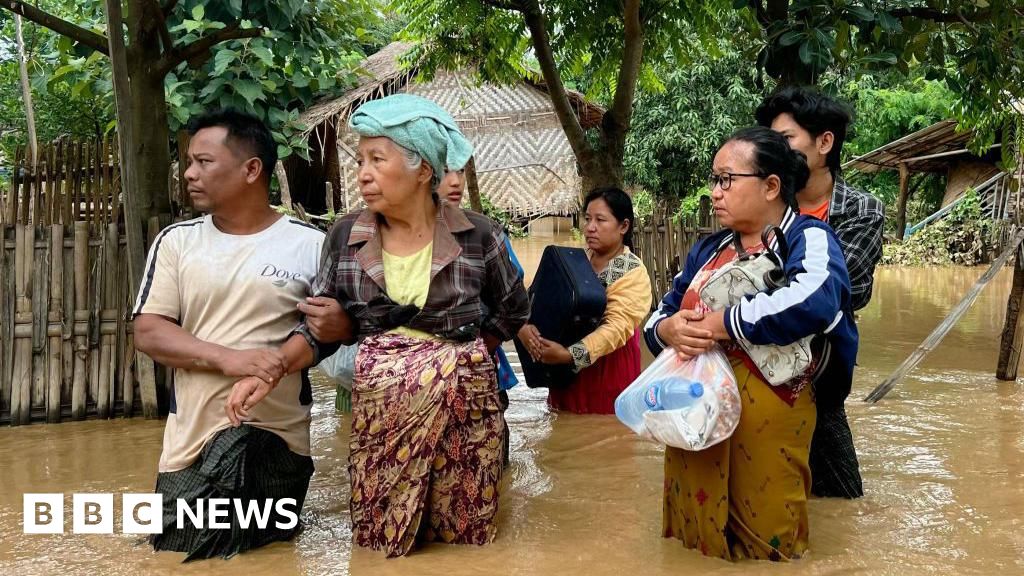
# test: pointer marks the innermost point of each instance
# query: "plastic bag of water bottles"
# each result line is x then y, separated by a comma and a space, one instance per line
341, 366
689, 404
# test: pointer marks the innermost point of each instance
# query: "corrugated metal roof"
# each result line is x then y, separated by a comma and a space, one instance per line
936, 139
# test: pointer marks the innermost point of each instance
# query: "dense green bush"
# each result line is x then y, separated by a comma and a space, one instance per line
963, 237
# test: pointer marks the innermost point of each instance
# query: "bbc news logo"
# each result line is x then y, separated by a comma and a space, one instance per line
143, 513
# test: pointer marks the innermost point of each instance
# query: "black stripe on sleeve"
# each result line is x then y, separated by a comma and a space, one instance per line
147, 282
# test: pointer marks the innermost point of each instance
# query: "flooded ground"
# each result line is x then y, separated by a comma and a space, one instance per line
942, 456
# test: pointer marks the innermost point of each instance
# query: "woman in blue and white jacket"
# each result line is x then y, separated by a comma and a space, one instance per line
747, 497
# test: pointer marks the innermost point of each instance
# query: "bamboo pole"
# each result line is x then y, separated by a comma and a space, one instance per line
40, 313
67, 200
81, 320
55, 200
26, 89
108, 325
26, 195
940, 332
6, 334
121, 384
37, 194
68, 325
144, 364
95, 303
4, 276
128, 353
473, 186
56, 321
115, 191
21, 381
1012, 339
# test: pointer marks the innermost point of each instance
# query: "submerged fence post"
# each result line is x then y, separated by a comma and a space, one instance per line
55, 321
81, 320
21, 381
1013, 328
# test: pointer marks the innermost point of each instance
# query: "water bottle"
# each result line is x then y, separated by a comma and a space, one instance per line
664, 394
673, 394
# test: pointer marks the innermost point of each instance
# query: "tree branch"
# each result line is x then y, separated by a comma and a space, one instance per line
537, 25
940, 16
81, 35
629, 69
513, 5
169, 7
165, 34
199, 51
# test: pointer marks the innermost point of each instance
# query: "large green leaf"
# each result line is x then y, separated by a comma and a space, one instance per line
249, 90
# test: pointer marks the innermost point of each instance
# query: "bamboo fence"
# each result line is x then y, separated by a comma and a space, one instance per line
66, 348
663, 241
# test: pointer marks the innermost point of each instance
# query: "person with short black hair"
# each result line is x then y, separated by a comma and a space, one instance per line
818, 126
220, 303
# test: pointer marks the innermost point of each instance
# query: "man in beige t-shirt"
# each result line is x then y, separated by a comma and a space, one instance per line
220, 301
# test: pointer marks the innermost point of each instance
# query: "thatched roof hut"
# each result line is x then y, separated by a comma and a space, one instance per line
524, 163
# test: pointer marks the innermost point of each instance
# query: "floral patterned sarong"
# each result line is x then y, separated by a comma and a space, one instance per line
425, 445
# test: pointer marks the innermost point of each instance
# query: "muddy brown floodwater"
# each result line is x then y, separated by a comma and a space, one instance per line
942, 457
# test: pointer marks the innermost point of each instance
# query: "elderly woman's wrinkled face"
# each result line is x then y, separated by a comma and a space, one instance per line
749, 202
386, 180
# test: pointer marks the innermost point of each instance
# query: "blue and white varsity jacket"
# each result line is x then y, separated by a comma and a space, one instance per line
817, 301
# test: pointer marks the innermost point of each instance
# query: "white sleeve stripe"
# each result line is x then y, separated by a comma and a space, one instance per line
815, 264
835, 322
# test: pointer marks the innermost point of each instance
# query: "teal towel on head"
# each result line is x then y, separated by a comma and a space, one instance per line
418, 124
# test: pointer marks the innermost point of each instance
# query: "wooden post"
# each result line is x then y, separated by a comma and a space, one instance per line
94, 307
144, 364
473, 186
901, 206
81, 320
126, 345
56, 321
107, 323
68, 321
282, 180
947, 324
5, 340
21, 381
329, 196
26, 195
1013, 329
40, 313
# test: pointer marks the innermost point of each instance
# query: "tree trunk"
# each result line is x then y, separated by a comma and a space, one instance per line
1013, 330
26, 92
150, 142
473, 186
901, 206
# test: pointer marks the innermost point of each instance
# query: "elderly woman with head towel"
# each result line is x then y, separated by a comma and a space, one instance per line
434, 293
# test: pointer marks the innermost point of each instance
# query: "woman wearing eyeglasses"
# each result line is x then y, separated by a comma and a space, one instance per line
747, 497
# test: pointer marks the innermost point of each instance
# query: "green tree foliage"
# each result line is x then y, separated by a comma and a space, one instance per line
974, 45
269, 57
676, 130
886, 113
615, 44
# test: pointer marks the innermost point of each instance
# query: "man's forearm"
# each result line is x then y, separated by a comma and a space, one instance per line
297, 353
173, 346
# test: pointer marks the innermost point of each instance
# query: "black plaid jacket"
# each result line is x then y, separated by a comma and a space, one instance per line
857, 217
473, 285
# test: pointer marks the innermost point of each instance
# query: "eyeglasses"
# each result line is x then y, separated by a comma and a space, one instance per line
725, 179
